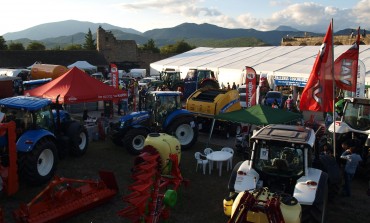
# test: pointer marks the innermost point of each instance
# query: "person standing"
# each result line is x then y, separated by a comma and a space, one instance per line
234, 86
352, 161
289, 103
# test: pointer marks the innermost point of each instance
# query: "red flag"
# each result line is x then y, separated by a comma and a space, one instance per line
114, 75
318, 92
250, 82
346, 65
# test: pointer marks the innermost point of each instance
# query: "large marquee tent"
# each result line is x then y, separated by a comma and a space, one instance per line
283, 65
75, 86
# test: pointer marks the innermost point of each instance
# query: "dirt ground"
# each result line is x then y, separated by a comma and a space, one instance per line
200, 202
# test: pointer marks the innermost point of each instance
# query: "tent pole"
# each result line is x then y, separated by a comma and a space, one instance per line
210, 133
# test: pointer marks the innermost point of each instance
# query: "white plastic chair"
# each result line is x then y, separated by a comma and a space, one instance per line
206, 152
230, 161
201, 160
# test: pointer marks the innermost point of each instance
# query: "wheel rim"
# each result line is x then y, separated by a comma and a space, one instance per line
184, 133
138, 142
45, 162
82, 141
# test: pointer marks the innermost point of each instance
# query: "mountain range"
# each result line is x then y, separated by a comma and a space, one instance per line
73, 32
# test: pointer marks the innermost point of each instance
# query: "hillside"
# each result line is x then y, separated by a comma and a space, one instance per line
61, 34
63, 28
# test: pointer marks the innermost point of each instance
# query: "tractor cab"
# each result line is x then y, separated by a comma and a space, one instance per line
161, 104
357, 113
37, 115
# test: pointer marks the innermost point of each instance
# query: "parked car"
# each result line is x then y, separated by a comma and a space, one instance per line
146, 81
271, 96
99, 76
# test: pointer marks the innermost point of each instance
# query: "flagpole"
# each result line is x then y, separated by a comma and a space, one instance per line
334, 86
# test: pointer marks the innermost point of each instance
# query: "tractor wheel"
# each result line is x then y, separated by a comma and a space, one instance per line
38, 166
185, 130
79, 139
210, 84
134, 140
317, 212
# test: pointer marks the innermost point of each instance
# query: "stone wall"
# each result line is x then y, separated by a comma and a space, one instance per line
125, 51
317, 41
115, 50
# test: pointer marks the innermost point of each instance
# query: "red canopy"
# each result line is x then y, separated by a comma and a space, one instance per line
75, 86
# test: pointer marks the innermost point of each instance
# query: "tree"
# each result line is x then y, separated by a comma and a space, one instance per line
178, 47
56, 48
15, 46
73, 47
34, 45
150, 46
89, 41
3, 45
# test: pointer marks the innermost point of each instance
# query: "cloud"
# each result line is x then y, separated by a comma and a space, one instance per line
184, 8
310, 16
307, 16
362, 12
280, 3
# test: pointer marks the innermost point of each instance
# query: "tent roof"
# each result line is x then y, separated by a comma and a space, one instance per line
275, 60
82, 65
75, 86
260, 115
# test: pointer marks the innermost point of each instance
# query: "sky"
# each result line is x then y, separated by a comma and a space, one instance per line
143, 15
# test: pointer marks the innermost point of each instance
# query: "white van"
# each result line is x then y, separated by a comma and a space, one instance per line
137, 73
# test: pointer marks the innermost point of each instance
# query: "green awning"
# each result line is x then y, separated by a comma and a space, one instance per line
260, 115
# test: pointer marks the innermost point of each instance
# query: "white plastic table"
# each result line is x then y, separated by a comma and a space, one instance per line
220, 157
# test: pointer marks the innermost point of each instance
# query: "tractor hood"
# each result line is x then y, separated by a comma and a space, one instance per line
307, 186
136, 117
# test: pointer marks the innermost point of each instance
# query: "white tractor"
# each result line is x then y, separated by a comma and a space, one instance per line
279, 174
355, 125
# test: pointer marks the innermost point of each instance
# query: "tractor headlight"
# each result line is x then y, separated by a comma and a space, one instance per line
122, 125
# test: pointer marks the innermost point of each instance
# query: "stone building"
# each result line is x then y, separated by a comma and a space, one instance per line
317, 41
124, 53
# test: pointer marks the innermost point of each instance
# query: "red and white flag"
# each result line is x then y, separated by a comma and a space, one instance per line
250, 82
318, 92
345, 67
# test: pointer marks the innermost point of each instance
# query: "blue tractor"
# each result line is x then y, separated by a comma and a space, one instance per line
161, 111
44, 133
196, 78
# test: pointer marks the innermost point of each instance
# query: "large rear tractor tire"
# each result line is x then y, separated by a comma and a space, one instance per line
185, 130
38, 166
134, 140
79, 139
317, 212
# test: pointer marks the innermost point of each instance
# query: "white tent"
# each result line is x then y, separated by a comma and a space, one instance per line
84, 65
294, 62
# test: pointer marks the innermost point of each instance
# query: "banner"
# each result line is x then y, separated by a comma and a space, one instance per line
318, 93
250, 82
360, 87
114, 75
345, 67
